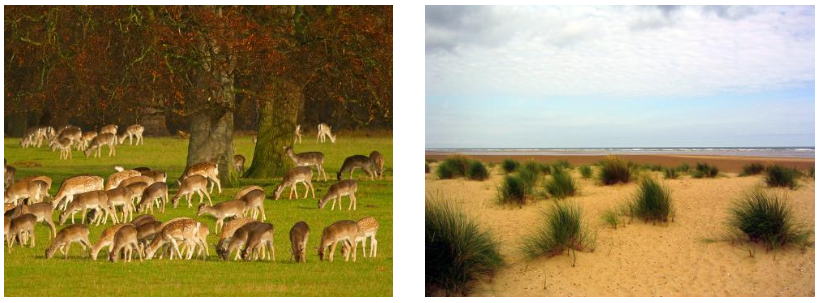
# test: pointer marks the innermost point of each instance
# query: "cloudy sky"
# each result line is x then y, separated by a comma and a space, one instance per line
550, 76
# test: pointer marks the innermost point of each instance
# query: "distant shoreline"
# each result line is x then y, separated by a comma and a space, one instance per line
768, 152
727, 163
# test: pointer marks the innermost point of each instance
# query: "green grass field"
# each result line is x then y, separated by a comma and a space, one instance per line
28, 273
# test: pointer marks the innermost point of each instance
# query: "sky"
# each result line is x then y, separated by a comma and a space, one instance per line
645, 76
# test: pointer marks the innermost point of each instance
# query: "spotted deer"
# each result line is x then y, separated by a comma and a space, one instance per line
86, 138
341, 231
44, 213
106, 240
206, 169
98, 142
155, 193
191, 185
316, 159
21, 228
45, 179
76, 233
97, 200
238, 239
339, 190
31, 190
254, 202
184, 230
115, 179
368, 227
299, 174
76, 185
228, 232
357, 161
109, 129
121, 197
125, 241
137, 189
157, 175
324, 132
132, 131
64, 145
298, 241
222, 211
259, 240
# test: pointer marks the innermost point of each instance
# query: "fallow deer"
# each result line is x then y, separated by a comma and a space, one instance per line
73, 233
339, 190
76, 185
299, 174
206, 169
341, 231
357, 161
298, 241
316, 159
191, 185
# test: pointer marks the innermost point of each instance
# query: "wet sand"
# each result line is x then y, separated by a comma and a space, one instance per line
641, 259
724, 163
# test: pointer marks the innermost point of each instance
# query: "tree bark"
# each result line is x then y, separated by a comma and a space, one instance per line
211, 140
16, 124
277, 120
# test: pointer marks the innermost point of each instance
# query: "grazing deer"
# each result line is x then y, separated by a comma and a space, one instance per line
238, 239
121, 196
206, 169
33, 137
324, 131
378, 160
344, 231
86, 139
184, 230
106, 239
109, 129
299, 174
132, 131
254, 202
137, 179
44, 213
201, 242
146, 233
297, 134
245, 190
157, 175
64, 145
97, 200
21, 228
72, 133
8, 175
76, 185
221, 211
191, 185
45, 179
298, 241
356, 161
73, 233
368, 227
31, 190
339, 190
125, 240
104, 139
157, 192
228, 232
316, 159
239, 164
115, 179
143, 219
260, 239
137, 189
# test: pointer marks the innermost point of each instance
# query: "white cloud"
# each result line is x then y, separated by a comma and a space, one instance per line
618, 51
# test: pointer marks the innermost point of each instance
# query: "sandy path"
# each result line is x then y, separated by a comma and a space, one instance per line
641, 259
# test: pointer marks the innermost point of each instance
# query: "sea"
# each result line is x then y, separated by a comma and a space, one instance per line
776, 152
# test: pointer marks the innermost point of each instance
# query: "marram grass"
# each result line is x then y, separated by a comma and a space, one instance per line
586, 171
560, 184
766, 218
509, 165
512, 191
613, 171
562, 230
779, 176
653, 202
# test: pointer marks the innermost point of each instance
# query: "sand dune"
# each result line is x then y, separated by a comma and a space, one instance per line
641, 259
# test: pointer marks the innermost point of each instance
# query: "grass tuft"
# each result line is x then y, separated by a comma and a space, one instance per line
512, 191
611, 217
477, 171
684, 168
458, 251
586, 171
670, 173
509, 165
752, 169
561, 184
653, 202
703, 170
779, 176
759, 217
613, 171
563, 164
561, 230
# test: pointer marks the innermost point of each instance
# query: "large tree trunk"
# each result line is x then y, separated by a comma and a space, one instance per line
278, 111
16, 124
211, 140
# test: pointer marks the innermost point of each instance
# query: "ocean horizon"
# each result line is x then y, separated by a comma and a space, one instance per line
775, 152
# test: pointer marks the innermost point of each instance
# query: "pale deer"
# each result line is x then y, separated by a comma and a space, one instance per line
254, 202
221, 211
341, 231
45, 179
64, 145
339, 190
183, 230
206, 169
238, 239
157, 175
357, 161
239, 164
73, 233
368, 227
324, 132
299, 174
21, 228
245, 190
32, 190
316, 159
106, 240
125, 241
115, 179
86, 139
228, 232
109, 129
297, 134
298, 241
72, 133
378, 161
155, 193
97, 200
191, 185
259, 240
121, 197
132, 131
43, 211
98, 142
76, 185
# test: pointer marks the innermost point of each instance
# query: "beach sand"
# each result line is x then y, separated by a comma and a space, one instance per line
641, 259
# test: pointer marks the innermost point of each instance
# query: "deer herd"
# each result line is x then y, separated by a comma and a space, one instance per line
239, 223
